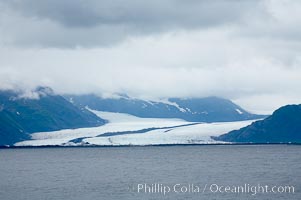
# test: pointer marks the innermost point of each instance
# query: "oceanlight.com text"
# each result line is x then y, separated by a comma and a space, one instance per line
251, 189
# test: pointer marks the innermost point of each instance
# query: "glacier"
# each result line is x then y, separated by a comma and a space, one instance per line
124, 129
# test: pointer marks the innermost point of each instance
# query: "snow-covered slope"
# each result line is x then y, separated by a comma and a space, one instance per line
125, 129
207, 109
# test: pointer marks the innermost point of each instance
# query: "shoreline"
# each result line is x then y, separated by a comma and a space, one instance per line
150, 145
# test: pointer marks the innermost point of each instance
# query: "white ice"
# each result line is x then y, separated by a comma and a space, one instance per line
118, 122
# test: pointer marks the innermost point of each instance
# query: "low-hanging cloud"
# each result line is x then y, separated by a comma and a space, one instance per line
248, 51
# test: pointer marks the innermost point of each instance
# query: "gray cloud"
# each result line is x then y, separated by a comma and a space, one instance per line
248, 51
78, 13
72, 23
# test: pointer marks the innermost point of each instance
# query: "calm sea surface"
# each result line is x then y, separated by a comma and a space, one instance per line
183, 172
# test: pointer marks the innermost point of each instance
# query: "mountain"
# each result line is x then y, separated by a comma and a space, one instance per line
210, 109
283, 126
21, 115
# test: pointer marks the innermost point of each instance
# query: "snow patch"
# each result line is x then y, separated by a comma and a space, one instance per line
174, 104
239, 111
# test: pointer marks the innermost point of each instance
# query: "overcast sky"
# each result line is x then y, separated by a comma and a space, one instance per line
247, 51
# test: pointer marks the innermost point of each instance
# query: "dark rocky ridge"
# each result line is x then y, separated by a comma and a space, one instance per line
20, 116
283, 126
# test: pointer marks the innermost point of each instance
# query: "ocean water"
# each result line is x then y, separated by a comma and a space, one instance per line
161, 172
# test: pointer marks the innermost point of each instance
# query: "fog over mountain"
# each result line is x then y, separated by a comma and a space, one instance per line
246, 51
